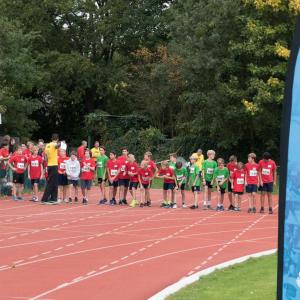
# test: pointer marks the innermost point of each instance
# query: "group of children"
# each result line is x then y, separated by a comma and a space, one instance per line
123, 174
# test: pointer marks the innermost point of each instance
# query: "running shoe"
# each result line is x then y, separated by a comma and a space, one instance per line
270, 211
70, 200
84, 201
262, 211
249, 210
184, 205
148, 203
193, 206
174, 205
20, 198
124, 201
76, 200
254, 210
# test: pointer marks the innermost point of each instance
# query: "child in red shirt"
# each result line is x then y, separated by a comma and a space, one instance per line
18, 163
238, 185
231, 166
88, 166
145, 176
132, 170
267, 175
123, 176
63, 184
113, 169
35, 172
169, 183
251, 182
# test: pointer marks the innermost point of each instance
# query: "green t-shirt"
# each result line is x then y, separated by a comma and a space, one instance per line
208, 168
101, 165
220, 175
181, 175
194, 171
172, 165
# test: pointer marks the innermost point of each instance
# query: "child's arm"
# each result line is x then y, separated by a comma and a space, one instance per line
28, 171
275, 176
196, 178
11, 166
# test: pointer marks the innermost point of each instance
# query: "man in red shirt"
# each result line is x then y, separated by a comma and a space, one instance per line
113, 168
231, 166
238, 185
18, 163
87, 174
35, 172
81, 150
123, 176
251, 182
267, 176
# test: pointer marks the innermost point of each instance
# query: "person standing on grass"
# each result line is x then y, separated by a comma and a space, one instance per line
35, 172
51, 156
81, 150
267, 175
18, 163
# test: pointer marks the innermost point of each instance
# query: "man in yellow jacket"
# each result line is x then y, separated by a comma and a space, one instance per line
200, 158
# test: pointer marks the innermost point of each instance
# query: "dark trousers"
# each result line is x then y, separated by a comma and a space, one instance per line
51, 190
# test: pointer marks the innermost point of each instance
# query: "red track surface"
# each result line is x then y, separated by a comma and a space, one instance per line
73, 251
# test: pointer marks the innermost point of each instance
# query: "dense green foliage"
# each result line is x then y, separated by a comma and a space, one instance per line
149, 74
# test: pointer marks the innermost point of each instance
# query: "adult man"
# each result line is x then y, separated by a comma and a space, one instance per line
51, 155
200, 158
81, 150
95, 151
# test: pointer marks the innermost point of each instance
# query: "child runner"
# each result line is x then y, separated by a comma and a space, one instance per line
169, 183
145, 177
238, 181
153, 168
112, 166
231, 166
132, 170
268, 176
172, 165
87, 173
35, 172
208, 168
221, 176
194, 181
123, 176
101, 174
62, 176
181, 175
18, 163
251, 182
73, 172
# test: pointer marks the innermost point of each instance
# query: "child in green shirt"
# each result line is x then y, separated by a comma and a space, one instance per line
180, 173
208, 168
101, 173
221, 175
195, 181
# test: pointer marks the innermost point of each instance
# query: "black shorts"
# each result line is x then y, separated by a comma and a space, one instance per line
62, 180
124, 182
222, 190
115, 184
18, 178
86, 184
34, 181
182, 187
133, 185
251, 188
146, 186
268, 187
208, 184
238, 193
168, 186
229, 188
100, 180
73, 182
196, 189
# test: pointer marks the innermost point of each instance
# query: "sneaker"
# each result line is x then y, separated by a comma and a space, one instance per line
231, 207
209, 207
33, 198
124, 201
36, 199
76, 200
142, 205
204, 207
15, 198
148, 203
112, 202
104, 201
221, 208
249, 210
133, 203
262, 210
66, 201
270, 211
237, 209
184, 205
120, 202
168, 206
254, 210
101, 201
163, 204
174, 205
84, 201
70, 200
193, 206
20, 198
218, 208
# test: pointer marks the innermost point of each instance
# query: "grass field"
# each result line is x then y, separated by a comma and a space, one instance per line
254, 279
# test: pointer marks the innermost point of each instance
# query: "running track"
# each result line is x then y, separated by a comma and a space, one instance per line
71, 251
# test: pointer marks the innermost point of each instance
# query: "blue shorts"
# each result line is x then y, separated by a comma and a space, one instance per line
62, 180
268, 187
86, 184
251, 188
73, 182
124, 182
133, 185
115, 184
196, 189
169, 186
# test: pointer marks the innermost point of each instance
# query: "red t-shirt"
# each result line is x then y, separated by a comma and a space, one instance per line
80, 152
152, 166
145, 175
35, 163
18, 162
267, 169
4, 152
231, 167
168, 172
133, 168
238, 177
252, 173
86, 172
123, 162
26, 153
113, 167
62, 164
